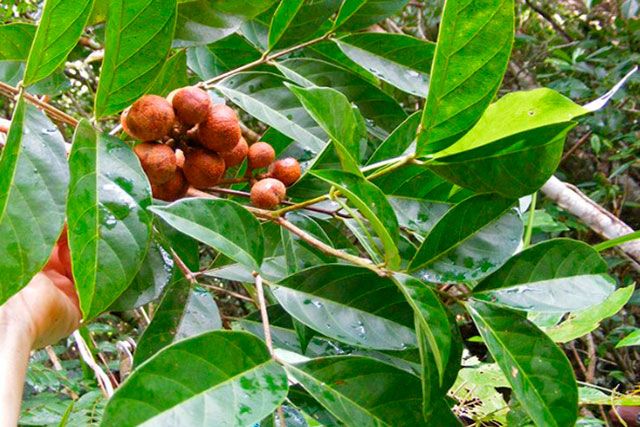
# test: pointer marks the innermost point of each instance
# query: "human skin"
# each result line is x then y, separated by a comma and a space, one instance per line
42, 313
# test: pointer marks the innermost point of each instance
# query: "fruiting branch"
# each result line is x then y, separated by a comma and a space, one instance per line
11, 92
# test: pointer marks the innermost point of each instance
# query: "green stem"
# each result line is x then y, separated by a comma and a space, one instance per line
532, 215
301, 205
401, 162
617, 241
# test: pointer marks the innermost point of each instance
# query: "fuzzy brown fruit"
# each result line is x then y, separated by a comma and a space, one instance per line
237, 155
203, 168
158, 161
149, 118
260, 155
267, 193
173, 189
286, 170
220, 130
191, 104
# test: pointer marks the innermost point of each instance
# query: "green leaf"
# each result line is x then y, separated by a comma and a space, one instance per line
362, 392
183, 312
553, 276
633, 339
298, 253
462, 222
398, 142
172, 76
582, 322
382, 112
138, 40
33, 176
350, 304
215, 379
400, 60
339, 119
474, 45
436, 340
372, 204
59, 29
11, 73
264, 96
150, 281
224, 225
224, 55
357, 14
16, 41
109, 229
540, 375
296, 21
201, 22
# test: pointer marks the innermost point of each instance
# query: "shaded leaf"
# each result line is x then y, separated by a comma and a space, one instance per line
17, 39
182, 313
540, 375
296, 21
332, 300
201, 22
474, 45
399, 142
33, 174
398, 59
224, 55
362, 391
109, 229
357, 14
59, 29
218, 378
138, 40
173, 75
372, 204
222, 224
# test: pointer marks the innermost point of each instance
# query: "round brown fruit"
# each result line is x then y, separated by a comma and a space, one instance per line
173, 189
260, 155
220, 130
149, 118
203, 168
158, 161
267, 193
191, 105
286, 170
237, 155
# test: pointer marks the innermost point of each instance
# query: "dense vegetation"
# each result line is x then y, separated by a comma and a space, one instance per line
413, 275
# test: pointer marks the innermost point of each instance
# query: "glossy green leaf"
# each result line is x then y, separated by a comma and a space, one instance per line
582, 322
11, 73
362, 392
109, 229
59, 29
540, 374
553, 276
201, 22
398, 142
33, 174
633, 339
264, 96
350, 304
400, 60
474, 45
295, 21
16, 41
138, 40
372, 204
357, 14
154, 275
298, 253
224, 55
183, 312
215, 379
459, 224
381, 112
339, 119
173, 75
222, 224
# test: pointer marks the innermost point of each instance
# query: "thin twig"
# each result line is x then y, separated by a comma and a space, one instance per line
263, 313
263, 60
550, 20
85, 353
10, 92
228, 292
575, 146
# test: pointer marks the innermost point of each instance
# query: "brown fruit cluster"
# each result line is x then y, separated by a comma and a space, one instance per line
186, 140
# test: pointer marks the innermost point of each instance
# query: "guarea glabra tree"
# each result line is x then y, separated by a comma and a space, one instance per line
380, 229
